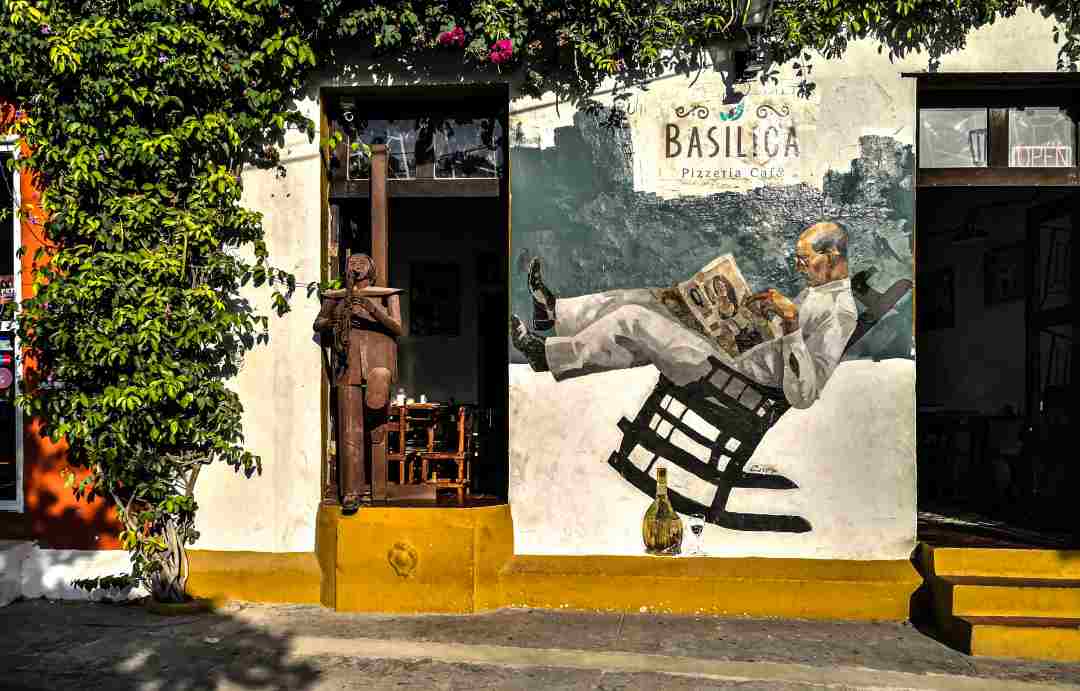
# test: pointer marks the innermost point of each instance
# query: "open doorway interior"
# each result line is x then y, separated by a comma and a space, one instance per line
449, 256
995, 284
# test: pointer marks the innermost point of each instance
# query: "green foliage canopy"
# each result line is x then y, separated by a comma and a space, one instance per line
572, 47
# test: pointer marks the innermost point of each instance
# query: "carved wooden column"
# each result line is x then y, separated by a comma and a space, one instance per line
380, 214
380, 255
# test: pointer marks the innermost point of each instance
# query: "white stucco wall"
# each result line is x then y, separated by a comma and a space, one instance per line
279, 385
852, 455
858, 94
27, 571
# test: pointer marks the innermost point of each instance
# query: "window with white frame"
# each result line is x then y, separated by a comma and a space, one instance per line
11, 448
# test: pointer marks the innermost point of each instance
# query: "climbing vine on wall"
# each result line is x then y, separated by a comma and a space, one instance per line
138, 117
573, 47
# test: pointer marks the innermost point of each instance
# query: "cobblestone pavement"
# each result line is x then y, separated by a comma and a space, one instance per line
84, 646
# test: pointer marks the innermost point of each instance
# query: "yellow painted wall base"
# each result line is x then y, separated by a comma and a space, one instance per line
415, 560
255, 576
408, 560
791, 588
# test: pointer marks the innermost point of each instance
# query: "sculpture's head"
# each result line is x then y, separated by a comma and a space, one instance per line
359, 271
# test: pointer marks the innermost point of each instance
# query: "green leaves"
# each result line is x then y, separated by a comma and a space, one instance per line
901, 27
141, 116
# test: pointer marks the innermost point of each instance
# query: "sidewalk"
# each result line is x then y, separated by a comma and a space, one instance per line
50, 645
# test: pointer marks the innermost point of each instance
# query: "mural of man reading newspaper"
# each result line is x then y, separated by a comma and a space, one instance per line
790, 345
735, 358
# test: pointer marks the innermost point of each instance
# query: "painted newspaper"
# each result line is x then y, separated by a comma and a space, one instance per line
715, 297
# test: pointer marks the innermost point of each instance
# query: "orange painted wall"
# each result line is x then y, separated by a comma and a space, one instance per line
52, 515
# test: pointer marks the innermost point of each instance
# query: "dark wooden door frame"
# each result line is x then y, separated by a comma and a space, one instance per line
1038, 319
997, 92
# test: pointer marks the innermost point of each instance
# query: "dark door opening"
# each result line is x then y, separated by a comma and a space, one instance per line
449, 255
995, 285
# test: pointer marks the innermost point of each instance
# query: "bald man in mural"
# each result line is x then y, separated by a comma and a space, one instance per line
619, 329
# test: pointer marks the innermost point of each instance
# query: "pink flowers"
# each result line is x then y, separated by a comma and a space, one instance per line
502, 51
454, 37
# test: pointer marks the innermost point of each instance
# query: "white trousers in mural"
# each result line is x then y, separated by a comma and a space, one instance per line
626, 328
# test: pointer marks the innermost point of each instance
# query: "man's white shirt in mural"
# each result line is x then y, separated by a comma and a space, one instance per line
628, 328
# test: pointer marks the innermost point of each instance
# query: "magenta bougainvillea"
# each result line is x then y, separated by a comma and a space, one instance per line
502, 51
455, 37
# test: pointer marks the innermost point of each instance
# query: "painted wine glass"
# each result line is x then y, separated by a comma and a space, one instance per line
697, 527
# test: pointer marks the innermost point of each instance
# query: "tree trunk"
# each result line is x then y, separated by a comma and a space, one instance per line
169, 584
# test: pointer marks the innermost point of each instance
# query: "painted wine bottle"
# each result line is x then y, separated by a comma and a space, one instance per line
662, 529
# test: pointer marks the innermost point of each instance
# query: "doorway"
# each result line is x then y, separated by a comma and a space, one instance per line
449, 256
996, 277
441, 220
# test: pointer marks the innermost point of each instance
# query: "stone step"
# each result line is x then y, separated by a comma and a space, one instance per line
1022, 603
1014, 597
1039, 638
1006, 563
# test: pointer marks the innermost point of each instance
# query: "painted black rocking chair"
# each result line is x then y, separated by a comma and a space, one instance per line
722, 417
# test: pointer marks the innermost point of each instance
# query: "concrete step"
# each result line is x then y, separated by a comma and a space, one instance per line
1014, 597
1039, 638
1046, 564
1021, 603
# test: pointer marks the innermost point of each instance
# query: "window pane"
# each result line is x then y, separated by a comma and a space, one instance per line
400, 139
952, 138
1040, 138
469, 148
459, 147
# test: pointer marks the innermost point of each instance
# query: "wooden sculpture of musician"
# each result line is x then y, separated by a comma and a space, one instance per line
361, 325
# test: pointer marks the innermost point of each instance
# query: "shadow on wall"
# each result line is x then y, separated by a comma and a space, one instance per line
93, 646
52, 516
56, 539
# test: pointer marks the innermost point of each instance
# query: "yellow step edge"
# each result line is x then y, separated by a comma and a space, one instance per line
737, 568
460, 561
831, 600
1015, 600
1060, 643
1005, 563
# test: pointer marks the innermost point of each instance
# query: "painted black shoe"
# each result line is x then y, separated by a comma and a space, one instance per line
542, 298
528, 344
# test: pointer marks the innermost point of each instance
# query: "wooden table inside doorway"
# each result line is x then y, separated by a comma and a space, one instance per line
439, 433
